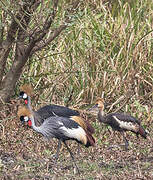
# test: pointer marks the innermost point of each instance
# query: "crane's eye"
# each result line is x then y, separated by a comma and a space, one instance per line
26, 119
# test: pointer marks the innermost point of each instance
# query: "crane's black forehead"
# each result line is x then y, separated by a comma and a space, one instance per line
21, 93
22, 119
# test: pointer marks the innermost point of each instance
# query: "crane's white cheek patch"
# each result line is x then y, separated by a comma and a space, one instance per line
26, 118
25, 96
76, 133
127, 125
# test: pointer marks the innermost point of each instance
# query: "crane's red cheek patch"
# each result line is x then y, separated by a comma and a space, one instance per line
26, 101
29, 123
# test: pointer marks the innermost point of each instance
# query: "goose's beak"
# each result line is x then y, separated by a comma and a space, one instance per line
93, 107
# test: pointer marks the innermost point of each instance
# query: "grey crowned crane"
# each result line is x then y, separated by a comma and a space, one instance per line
120, 122
44, 112
52, 110
62, 128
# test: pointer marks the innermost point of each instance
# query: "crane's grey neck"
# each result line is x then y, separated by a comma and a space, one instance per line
38, 129
37, 116
101, 116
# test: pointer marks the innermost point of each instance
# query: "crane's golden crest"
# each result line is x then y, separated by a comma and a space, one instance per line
27, 88
23, 111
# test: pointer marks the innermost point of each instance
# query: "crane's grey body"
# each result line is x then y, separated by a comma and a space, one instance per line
53, 127
50, 110
61, 128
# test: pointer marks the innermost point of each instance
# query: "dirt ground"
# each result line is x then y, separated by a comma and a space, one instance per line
26, 155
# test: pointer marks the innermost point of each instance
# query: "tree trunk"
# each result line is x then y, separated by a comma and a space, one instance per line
5, 48
18, 29
27, 40
14, 73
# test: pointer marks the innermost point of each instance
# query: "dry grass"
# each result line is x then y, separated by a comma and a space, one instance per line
106, 51
100, 54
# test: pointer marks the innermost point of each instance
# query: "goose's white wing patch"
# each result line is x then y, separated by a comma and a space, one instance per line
126, 125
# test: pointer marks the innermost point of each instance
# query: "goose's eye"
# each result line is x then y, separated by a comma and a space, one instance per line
26, 118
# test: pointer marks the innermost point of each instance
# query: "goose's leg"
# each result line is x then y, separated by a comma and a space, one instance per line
126, 141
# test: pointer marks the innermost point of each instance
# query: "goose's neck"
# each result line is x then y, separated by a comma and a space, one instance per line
101, 116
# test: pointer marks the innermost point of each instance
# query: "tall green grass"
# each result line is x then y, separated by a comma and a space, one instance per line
106, 51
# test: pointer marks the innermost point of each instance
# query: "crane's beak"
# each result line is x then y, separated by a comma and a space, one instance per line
22, 121
20, 97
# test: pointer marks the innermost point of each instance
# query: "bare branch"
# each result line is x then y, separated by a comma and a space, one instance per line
40, 34
54, 34
25, 17
41, 44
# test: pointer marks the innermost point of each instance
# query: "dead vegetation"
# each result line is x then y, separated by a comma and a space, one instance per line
25, 155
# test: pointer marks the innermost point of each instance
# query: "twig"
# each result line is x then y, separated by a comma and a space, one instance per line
117, 102
2, 129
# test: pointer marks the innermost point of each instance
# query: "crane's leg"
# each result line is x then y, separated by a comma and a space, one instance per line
58, 149
72, 156
126, 141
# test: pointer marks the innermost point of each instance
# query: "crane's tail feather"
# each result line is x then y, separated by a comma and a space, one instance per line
142, 132
83, 123
90, 140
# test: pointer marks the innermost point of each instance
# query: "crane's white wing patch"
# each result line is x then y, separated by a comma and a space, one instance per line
60, 123
54, 114
76, 133
126, 125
